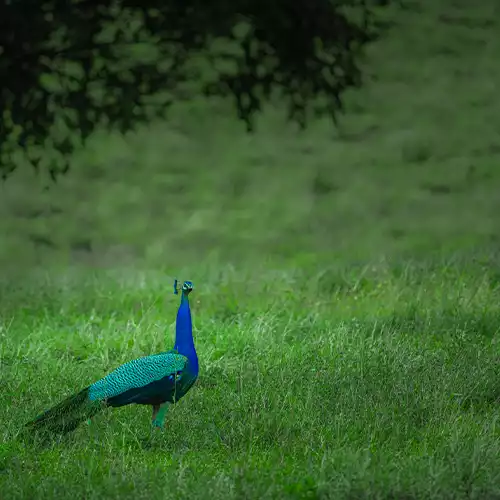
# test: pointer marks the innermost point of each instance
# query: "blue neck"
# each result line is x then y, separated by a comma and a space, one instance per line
184, 343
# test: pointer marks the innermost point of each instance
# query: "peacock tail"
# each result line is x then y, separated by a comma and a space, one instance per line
68, 414
154, 380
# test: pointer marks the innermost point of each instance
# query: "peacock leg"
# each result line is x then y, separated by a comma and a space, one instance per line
156, 408
159, 412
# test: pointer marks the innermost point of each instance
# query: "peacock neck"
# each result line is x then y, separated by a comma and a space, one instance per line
184, 342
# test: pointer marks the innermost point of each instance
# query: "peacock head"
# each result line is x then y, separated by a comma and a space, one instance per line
187, 287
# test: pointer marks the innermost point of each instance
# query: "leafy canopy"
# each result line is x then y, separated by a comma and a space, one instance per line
69, 66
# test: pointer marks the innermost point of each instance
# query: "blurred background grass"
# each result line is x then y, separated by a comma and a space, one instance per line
411, 171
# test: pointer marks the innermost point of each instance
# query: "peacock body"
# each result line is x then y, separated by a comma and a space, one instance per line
157, 380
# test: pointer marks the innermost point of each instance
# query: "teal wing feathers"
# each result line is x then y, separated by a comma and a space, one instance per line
137, 373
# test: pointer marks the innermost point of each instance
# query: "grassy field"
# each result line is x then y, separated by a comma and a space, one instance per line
346, 384
346, 308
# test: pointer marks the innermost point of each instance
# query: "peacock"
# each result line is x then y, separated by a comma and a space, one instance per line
156, 380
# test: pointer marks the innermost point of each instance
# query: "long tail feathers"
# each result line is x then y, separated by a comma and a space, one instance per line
67, 415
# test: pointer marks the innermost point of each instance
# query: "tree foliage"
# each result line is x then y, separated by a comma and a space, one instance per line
69, 66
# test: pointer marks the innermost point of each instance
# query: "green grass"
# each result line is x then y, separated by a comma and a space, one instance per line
365, 383
346, 307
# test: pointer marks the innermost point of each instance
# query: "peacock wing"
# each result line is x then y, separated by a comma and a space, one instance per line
136, 374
